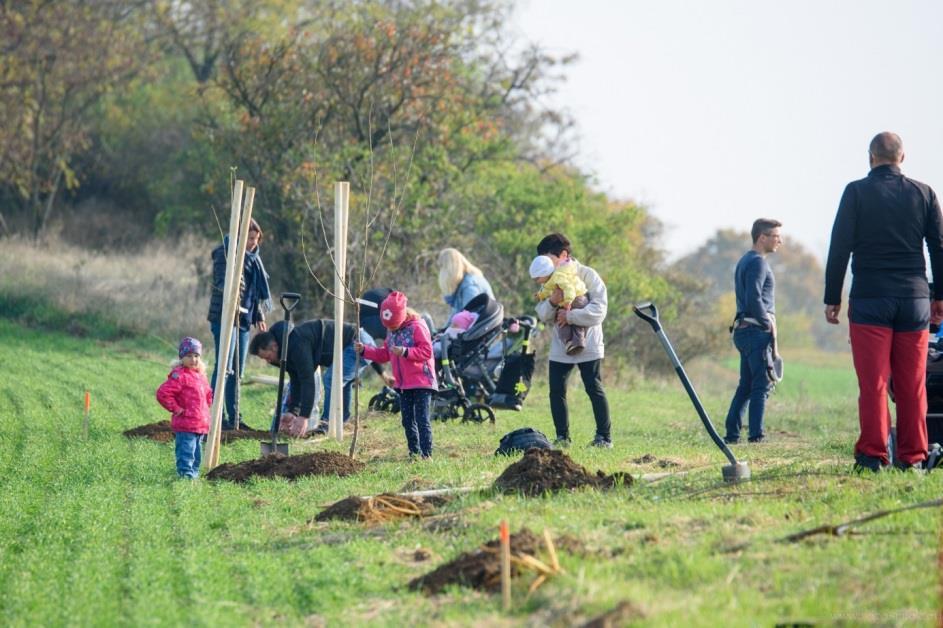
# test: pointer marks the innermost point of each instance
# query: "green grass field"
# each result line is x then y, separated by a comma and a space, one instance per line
98, 531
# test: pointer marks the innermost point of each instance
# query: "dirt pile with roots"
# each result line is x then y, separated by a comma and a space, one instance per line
162, 433
548, 471
480, 569
380, 508
288, 467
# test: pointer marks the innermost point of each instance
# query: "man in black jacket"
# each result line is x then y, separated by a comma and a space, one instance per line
310, 345
882, 223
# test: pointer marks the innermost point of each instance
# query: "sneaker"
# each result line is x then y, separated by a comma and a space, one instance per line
562, 442
867, 463
321, 428
601, 442
756, 439
228, 426
730, 440
906, 466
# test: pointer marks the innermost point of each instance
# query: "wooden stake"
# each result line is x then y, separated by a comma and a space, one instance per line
88, 405
505, 537
341, 205
551, 550
240, 216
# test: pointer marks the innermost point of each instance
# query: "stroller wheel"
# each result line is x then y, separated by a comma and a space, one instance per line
478, 413
376, 403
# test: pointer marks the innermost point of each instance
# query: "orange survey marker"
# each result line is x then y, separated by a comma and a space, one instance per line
88, 405
505, 537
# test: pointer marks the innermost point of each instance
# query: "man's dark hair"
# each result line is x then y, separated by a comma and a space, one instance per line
762, 226
261, 340
554, 244
887, 147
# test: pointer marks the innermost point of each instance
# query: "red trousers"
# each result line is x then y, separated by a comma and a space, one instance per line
881, 353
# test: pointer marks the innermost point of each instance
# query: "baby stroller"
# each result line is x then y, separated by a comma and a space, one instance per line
934, 403
487, 366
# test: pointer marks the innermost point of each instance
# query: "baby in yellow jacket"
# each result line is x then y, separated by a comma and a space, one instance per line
574, 291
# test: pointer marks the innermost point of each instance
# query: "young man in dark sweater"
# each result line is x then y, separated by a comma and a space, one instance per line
882, 223
753, 329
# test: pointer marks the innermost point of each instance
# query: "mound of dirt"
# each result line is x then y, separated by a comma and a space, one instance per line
289, 467
380, 508
162, 433
480, 569
159, 432
551, 470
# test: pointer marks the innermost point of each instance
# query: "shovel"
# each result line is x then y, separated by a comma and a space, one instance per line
288, 300
735, 471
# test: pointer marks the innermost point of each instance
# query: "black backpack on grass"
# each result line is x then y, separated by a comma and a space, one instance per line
521, 440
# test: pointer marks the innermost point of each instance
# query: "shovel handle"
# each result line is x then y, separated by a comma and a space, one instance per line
648, 313
289, 300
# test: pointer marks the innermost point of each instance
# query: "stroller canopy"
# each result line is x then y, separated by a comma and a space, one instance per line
370, 315
490, 315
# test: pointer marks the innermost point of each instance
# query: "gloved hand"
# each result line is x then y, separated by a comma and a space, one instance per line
292, 425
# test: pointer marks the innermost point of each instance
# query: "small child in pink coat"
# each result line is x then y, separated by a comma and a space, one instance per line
188, 396
408, 347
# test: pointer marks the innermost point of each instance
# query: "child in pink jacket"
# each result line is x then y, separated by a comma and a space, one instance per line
408, 348
188, 396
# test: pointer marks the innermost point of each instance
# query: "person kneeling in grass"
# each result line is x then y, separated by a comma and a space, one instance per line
188, 396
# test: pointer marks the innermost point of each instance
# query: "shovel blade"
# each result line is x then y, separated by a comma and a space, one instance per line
268, 449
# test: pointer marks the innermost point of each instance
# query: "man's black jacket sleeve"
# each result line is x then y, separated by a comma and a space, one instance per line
934, 237
839, 250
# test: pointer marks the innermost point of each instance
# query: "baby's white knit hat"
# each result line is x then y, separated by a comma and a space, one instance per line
542, 266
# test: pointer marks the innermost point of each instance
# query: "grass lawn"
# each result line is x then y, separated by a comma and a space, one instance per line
100, 532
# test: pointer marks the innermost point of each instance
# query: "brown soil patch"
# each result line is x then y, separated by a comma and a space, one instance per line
288, 467
480, 569
159, 432
622, 615
231, 435
381, 508
551, 470
162, 433
664, 463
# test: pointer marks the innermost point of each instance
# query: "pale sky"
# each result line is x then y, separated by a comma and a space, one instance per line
717, 112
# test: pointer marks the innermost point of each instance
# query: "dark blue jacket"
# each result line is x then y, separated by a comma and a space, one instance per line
755, 287
254, 314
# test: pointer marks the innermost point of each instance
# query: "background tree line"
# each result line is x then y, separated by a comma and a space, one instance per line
121, 121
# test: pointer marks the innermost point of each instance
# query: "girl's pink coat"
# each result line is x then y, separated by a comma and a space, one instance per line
187, 395
414, 370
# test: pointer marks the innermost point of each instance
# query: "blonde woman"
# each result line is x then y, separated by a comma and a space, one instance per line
460, 280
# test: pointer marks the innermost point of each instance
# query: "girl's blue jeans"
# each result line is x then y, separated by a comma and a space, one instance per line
187, 450
414, 406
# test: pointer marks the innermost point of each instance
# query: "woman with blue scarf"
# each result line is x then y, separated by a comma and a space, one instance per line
256, 301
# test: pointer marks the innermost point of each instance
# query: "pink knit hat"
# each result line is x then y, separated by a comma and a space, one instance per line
393, 310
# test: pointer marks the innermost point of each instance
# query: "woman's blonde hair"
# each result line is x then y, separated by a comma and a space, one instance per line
452, 268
